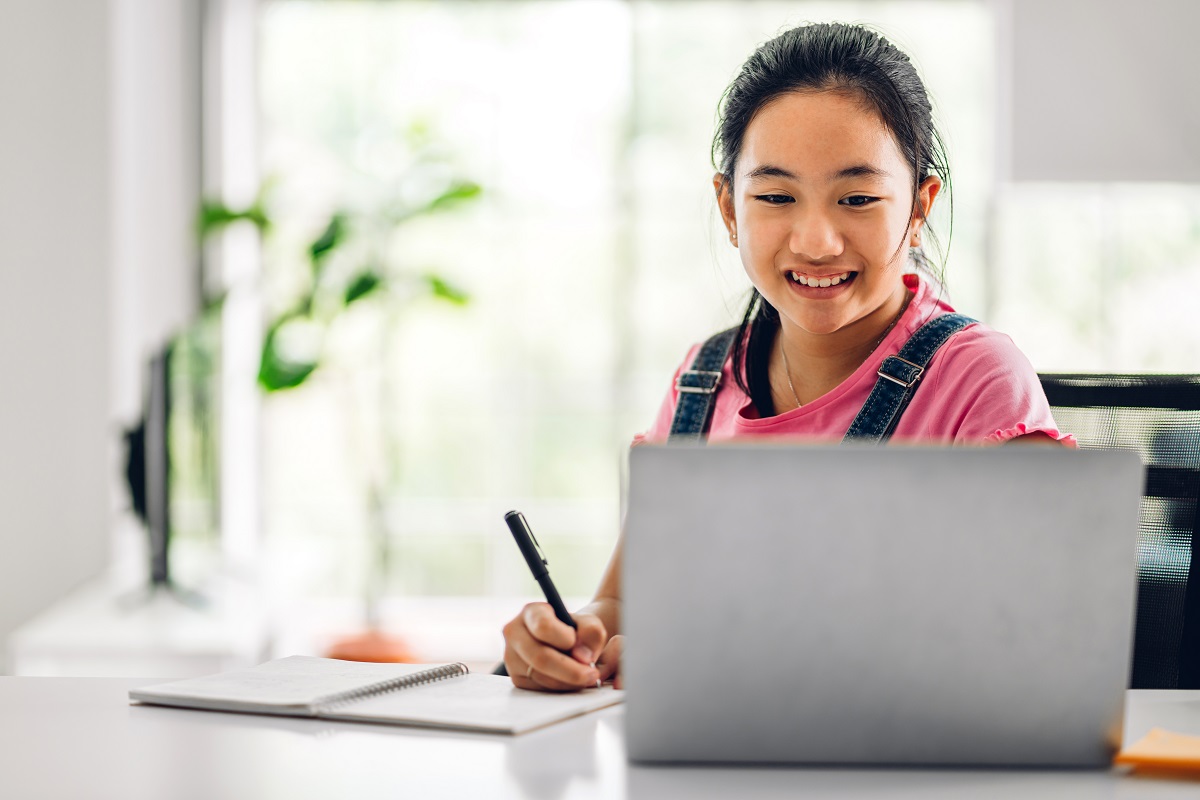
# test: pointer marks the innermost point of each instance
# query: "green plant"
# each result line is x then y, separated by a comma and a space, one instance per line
344, 265
292, 343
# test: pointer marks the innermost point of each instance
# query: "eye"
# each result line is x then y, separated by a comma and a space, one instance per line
858, 200
774, 199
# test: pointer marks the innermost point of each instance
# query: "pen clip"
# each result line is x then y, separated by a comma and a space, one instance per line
531, 548
537, 546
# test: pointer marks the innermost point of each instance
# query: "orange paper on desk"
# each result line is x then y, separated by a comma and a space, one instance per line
1163, 750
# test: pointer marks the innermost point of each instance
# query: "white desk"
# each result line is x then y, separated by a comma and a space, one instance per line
79, 738
105, 628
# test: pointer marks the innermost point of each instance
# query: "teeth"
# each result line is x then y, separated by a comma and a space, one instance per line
804, 280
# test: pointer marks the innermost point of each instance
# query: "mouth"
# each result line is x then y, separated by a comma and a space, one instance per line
821, 281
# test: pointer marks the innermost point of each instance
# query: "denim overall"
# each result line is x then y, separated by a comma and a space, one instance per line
897, 383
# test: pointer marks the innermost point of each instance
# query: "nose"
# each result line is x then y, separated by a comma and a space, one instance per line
815, 236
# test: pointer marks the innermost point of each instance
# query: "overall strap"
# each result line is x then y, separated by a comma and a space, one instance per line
697, 387
898, 378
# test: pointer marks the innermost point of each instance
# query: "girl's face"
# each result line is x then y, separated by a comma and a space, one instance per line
821, 212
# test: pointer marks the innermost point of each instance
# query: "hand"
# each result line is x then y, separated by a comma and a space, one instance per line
541, 652
609, 662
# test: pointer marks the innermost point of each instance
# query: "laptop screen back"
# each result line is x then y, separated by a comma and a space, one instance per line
878, 605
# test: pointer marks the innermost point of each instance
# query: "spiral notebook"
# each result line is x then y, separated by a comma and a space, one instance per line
428, 695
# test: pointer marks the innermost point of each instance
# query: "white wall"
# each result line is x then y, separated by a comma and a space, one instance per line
155, 90
98, 173
1101, 90
55, 270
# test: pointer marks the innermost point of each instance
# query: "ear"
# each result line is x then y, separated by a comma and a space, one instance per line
725, 204
927, 192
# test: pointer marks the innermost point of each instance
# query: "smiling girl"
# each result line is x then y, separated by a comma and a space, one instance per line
828, 167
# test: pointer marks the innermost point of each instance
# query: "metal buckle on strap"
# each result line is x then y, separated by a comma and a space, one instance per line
703, 381
906, 384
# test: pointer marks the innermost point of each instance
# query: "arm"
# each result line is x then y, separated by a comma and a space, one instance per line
606, 606
543, 653
535, 638
607, 602
1039, 437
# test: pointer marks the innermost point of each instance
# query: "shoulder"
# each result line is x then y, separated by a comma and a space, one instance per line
975, 353
983, 382
661, 427
714, 354
979, 347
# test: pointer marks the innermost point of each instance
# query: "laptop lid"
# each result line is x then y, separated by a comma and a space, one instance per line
878, 605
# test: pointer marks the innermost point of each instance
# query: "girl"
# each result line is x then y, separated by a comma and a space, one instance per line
829, 165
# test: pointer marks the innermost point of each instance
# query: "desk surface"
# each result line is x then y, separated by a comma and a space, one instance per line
79, 737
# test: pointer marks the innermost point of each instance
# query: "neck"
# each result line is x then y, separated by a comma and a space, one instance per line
819, 362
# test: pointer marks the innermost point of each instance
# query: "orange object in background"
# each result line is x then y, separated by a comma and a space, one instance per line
1163, 751
373, 645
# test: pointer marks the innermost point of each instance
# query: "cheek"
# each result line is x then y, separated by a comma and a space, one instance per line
881, 238
764, 229
761, 252
759, 237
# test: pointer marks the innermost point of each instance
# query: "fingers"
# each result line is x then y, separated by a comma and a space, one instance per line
541, 667
530, 678
590, 638
534, 640
609, 662
540, 621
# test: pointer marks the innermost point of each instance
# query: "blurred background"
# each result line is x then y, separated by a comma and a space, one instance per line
300, 296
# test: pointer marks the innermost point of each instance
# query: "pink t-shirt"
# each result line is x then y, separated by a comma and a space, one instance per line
978, 389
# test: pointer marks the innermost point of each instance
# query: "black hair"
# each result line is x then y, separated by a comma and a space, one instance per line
823, 57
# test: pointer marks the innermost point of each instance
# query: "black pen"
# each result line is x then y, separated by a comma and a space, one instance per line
537, 563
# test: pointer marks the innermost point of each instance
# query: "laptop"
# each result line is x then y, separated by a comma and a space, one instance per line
865, 605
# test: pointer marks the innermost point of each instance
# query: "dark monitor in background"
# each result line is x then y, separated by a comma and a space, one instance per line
171, 453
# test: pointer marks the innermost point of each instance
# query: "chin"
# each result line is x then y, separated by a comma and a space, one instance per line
819, 326
822, 329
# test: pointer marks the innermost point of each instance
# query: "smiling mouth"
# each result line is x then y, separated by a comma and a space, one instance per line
822, 281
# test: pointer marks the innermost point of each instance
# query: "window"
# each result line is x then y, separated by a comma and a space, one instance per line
593, 259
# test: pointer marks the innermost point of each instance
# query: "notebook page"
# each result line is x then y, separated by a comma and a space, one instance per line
285, 686
475, 702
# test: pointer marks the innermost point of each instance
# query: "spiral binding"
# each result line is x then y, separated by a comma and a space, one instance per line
329, 702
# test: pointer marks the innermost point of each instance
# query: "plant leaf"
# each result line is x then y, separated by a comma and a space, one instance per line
446, 291
212, 305
327, 241
458, 192
275, 372
362, 285
215, 215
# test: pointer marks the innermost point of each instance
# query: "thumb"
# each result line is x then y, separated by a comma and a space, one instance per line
590, 637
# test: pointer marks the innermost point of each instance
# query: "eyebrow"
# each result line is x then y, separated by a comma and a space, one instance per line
856, 171
862, 171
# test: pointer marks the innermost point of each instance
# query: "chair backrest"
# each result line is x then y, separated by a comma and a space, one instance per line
1157, 416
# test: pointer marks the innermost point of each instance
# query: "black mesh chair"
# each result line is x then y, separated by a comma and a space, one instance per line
1157, 416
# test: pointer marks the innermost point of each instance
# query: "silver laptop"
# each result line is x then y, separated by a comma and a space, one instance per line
969, 606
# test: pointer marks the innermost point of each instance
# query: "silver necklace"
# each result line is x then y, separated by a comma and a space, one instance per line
787, 370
